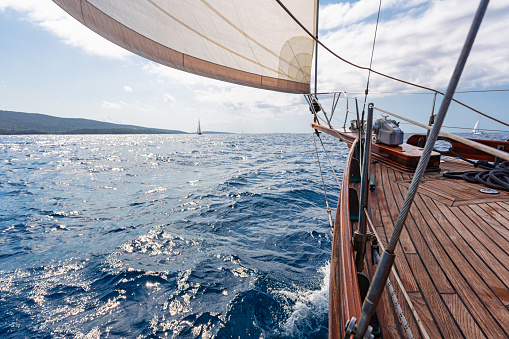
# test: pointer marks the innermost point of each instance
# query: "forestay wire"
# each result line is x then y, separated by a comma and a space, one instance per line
372, 52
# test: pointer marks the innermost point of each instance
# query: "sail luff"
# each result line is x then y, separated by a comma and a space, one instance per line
281, 63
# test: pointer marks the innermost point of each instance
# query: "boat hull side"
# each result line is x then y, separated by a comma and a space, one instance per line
344, 294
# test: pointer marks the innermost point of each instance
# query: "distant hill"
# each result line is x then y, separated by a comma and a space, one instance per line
34, 123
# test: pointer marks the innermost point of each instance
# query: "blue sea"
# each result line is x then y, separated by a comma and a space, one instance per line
171, 236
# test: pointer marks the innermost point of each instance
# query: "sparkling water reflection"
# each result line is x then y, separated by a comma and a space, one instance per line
164, 236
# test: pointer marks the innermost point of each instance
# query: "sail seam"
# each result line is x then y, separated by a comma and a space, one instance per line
245, 34
81, 9
279, 57
295, 56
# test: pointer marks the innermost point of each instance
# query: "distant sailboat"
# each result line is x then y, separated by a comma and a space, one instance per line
199, 128
476, 128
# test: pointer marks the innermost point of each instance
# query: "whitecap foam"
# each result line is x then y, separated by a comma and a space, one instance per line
95, 333
309, 306
156, 190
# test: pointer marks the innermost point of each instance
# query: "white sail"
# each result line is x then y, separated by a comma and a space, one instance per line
253, 43
476, 127
199, 128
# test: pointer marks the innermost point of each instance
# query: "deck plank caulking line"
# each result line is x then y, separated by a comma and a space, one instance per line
492, 256
465, 254
456, 272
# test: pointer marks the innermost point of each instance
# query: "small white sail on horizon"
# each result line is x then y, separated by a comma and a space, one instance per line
198, 131
476, 128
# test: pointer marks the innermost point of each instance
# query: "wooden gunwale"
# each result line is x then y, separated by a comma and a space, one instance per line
344, 294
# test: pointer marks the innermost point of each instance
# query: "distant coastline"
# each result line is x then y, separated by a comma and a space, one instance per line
15, 123
90, 131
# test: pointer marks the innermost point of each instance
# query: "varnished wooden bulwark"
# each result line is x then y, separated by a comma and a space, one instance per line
344, 296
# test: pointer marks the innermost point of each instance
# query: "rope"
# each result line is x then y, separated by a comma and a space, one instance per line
346, 114
400, 284
321, 119
397, 306
497, 178
329, 211
316, 47
311, 98
328, 159
480, 163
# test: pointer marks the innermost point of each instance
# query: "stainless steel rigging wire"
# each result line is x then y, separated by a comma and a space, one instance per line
329, 211
316, 46
372, 52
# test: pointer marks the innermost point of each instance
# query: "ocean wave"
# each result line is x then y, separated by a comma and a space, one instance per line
308, 310
162, 236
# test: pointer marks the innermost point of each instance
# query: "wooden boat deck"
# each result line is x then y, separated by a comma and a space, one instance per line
452, 257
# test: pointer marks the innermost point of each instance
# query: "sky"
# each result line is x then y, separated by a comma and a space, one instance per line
51, 64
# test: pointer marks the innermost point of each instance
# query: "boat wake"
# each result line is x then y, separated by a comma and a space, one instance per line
310, 309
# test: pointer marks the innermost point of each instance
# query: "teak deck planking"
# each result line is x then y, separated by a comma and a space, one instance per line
452, 257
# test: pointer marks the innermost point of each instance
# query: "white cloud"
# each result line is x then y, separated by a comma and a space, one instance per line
246, 103
417, 40
48, 15
253, 104
111, 119
127, 107
140, 106
111, 105
169, 98
420, 45
182, 78
345, 13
